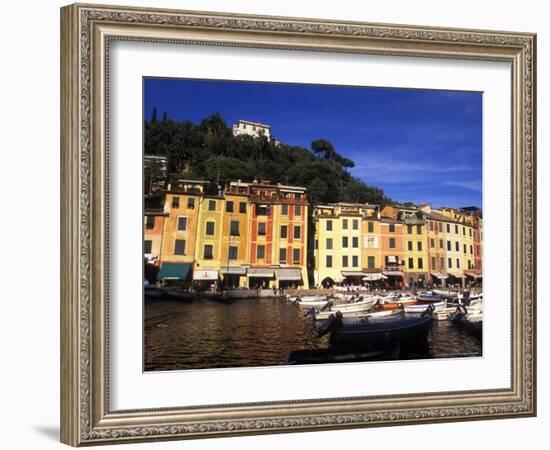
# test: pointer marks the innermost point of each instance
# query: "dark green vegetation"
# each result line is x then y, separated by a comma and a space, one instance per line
209, 151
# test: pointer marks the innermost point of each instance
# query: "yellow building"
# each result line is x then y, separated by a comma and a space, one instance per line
339, 243
416, 246
208, 248
180, 229
371, 252
235, 238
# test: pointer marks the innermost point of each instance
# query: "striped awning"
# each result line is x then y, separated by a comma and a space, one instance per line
374, 277
289, 274
260, 272
233, 270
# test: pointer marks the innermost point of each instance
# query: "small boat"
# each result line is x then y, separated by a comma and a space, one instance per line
430, 297
153, 292
470, 319
355, 315
398, 303
420, 308
379, 331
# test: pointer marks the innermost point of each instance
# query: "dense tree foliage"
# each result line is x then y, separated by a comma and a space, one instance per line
210, 151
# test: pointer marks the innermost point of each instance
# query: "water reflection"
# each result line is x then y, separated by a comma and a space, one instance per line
255, 332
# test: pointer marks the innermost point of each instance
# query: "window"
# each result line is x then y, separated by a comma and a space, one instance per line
433, 263
442, 263
208, 251
355, 242
284, 231
328, 261
345, 242
420, 263
409, 246
345, 261
464, 231
261, 228
282, 255
355, 261
456, 229
470, 232
234, 228
298, 196
147, 246
419, 229
329, 225
440, 227
262, 210
457, 263
392, 228
212, 205
297, 210
210, 228
190, 203
295, 256
371, 241
175, 202
409, 229
419, 246
229, 207
411, 263
179, 247
150, 222
370, 227
448, 228
450, 263
441, 243
284, 209
182, 223
329, 243
432, 243
431, 225
297, 232
465, 249
242, 207
471, 249
260, 253
392, 242
469, 265
233, 252
355, 224
344, 224
370, 262
448, 246
457, 246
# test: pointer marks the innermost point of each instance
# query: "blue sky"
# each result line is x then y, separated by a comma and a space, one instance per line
423, 146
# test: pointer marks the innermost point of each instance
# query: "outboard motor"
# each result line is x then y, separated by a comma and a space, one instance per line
310, 312
328, 306
429, 310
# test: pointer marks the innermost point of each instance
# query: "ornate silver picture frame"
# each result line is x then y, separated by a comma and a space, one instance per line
87, 31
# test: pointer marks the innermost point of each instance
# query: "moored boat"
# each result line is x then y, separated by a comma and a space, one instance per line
377, 331
420, 308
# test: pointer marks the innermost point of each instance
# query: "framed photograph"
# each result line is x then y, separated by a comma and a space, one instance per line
274, 224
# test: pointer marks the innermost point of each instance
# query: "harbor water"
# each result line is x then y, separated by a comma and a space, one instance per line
256, 332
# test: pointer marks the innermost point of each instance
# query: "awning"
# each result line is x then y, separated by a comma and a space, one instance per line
260, 272
233, 270
456, 275
288, 274
174, 271
353, 274
374, 277
393, 273
392, 259
441, 276
474, 275
205, 275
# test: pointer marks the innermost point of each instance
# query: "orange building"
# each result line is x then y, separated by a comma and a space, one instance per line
153, 230
392, 250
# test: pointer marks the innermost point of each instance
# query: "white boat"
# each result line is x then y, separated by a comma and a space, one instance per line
306, 298
324, 315
420, 308
311, 304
